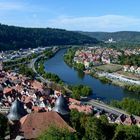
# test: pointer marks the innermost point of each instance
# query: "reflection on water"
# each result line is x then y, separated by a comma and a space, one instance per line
105, 92
81, 74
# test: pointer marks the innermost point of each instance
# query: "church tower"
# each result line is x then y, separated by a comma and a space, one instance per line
17, 111
61, 107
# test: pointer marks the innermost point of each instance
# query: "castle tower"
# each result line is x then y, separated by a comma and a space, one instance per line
17, 111
1, 92
61, 107
1, 65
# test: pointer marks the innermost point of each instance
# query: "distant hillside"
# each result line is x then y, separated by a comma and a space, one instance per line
122, 36
12, 37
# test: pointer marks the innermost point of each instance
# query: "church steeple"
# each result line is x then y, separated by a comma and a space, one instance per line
61, 106
17, 111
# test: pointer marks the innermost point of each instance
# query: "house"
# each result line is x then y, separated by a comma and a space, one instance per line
74, 101
132, 68
37, 85
7, 90
126, 68
130, 120
32, 125
81, 108
112, 117
75, 104
121, 119
105, 60
86, 64
137, 70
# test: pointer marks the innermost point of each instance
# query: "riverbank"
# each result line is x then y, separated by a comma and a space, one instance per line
119, 80
104, 77
130, 87
70, 76
54, 79
50, 78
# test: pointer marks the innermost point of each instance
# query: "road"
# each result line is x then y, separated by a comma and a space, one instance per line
32, 65
108, 108
118, 77
93, 102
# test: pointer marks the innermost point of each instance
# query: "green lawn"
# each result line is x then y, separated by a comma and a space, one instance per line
109, 67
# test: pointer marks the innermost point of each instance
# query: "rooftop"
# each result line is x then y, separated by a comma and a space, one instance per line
32, 125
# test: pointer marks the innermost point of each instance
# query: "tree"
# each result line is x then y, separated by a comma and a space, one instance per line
76, 94
3, 126
80, 90
99, 129
86, 91
130, 105
12, 37
91, 128
78, 121
127, 133
69, 55
133, 88
55, 133
27, 71
129, 60
75, 119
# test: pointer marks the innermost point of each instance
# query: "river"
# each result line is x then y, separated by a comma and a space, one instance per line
104, 92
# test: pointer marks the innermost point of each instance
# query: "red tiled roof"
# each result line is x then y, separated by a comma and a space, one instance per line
12, 77
87, 109
71, 100
37, 85
32, 125
18, 88
36, 108
7, 90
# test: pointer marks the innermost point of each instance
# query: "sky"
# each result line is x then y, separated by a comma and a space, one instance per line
77, 15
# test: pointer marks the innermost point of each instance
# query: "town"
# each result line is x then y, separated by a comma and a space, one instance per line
18, 54
24, 101
109, 62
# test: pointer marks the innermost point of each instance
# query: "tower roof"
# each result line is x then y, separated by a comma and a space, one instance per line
16, 111
61, 106
1, 88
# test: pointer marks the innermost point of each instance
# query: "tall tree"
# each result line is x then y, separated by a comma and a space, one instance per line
3, 126
54, 133
127, 133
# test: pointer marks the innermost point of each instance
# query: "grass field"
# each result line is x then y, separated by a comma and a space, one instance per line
109, 68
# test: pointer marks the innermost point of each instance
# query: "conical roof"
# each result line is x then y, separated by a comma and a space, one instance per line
1, 88
17, 111
61, 106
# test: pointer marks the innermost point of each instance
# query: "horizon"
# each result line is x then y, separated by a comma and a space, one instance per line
89, 16
67, 29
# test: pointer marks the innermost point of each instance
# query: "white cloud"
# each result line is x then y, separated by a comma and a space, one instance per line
10, 6
100, 23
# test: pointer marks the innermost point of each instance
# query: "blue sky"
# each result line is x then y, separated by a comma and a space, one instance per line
84, 15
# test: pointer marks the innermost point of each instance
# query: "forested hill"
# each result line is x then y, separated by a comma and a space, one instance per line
12, 37
122, 36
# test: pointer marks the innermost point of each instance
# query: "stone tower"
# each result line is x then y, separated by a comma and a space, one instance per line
17, 111
61, 107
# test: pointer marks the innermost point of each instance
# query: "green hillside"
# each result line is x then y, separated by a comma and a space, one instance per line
122, 36
12, 37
